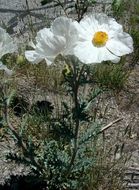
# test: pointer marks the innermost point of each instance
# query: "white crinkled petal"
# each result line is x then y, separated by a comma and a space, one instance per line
113, 25
108, 56
88, 53
98, 22
121, 45
7, 44
65, 27
51, 45
83, 34
33, 57
107, 23
61, 26
4, 67
89, 24
48, 47
59, 39
41, 35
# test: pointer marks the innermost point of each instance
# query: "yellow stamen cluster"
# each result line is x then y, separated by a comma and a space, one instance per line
100, 38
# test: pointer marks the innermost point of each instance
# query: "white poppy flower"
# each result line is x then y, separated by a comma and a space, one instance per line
100, 39
60, 38
6, 43
6, 46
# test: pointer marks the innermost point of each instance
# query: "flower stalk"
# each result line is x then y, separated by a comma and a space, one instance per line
75, 88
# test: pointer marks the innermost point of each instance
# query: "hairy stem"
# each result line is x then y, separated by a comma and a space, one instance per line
62, 6
75, 88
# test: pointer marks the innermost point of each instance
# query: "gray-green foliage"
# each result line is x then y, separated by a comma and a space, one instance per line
63, 156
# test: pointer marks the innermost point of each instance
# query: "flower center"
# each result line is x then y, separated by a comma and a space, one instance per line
100, 38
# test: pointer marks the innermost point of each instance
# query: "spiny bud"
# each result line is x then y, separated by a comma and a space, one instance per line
20, 59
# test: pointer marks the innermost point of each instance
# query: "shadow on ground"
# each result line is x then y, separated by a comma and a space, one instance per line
23, 183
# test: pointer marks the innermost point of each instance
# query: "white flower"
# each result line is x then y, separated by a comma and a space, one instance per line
60, 38
6, 43
6, 46
100, 39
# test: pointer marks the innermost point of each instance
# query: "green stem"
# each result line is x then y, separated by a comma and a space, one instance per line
78, 10
75, 87
62, 6
76, 130
81, 10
